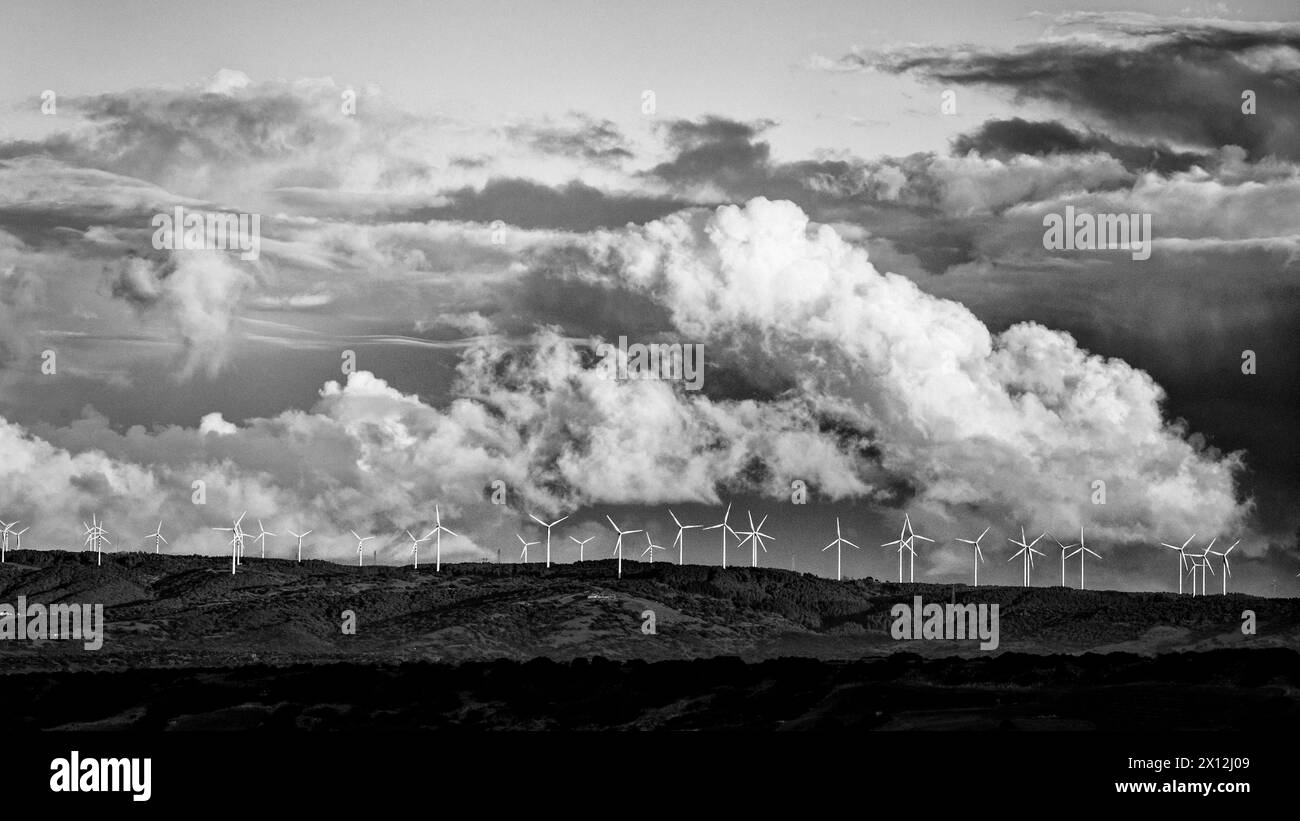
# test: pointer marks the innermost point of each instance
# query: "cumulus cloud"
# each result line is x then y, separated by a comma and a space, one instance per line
1022, 421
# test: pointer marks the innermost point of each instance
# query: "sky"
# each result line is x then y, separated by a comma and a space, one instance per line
865, 269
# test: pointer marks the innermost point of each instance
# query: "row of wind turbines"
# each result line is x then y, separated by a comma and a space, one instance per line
1197, 565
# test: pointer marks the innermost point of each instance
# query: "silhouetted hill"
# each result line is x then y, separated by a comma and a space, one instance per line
189, 611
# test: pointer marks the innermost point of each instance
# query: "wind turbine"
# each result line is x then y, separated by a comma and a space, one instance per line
582, 545
651, 547
299, 537
618, 545
755, 537
96, 537
526, 545
236, 541
157, 537
1065, 547
726, 528
1027, 550
838, 544
1205, 563
1182, 560
680, 541
1083, 549
437, 532
1227, 570
979, 554
261, 536
4, 538
415, 547
361, 546
906, 541
548, 533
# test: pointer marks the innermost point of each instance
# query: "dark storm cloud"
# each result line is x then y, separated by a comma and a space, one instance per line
592, 140
1164, 80
1004, 139
715, 149
575, 206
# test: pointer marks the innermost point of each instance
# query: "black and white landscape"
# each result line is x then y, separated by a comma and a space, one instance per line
659, 366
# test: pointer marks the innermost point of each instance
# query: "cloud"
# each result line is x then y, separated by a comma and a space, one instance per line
197, 290
581, 137
1004, 139
1020, 422
1168, 80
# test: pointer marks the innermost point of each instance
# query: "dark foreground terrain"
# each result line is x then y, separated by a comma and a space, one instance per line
189, 646
189, 611
1219, 690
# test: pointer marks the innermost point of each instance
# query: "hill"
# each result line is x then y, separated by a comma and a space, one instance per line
189, 611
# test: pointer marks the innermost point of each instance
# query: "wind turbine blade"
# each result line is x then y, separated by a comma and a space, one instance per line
449, 530
535, 519
847, 542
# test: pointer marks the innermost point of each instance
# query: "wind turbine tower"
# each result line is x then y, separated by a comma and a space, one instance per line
726, 528
1183, 560
838, 544
548, 534
1081, 552
1227, 569
979, 554
618, 545
680, 541
415, 547
524, 554
158, 540
299, 537
261, 536
582, 546
361, 546
437, 532
1027, 551
651, 547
